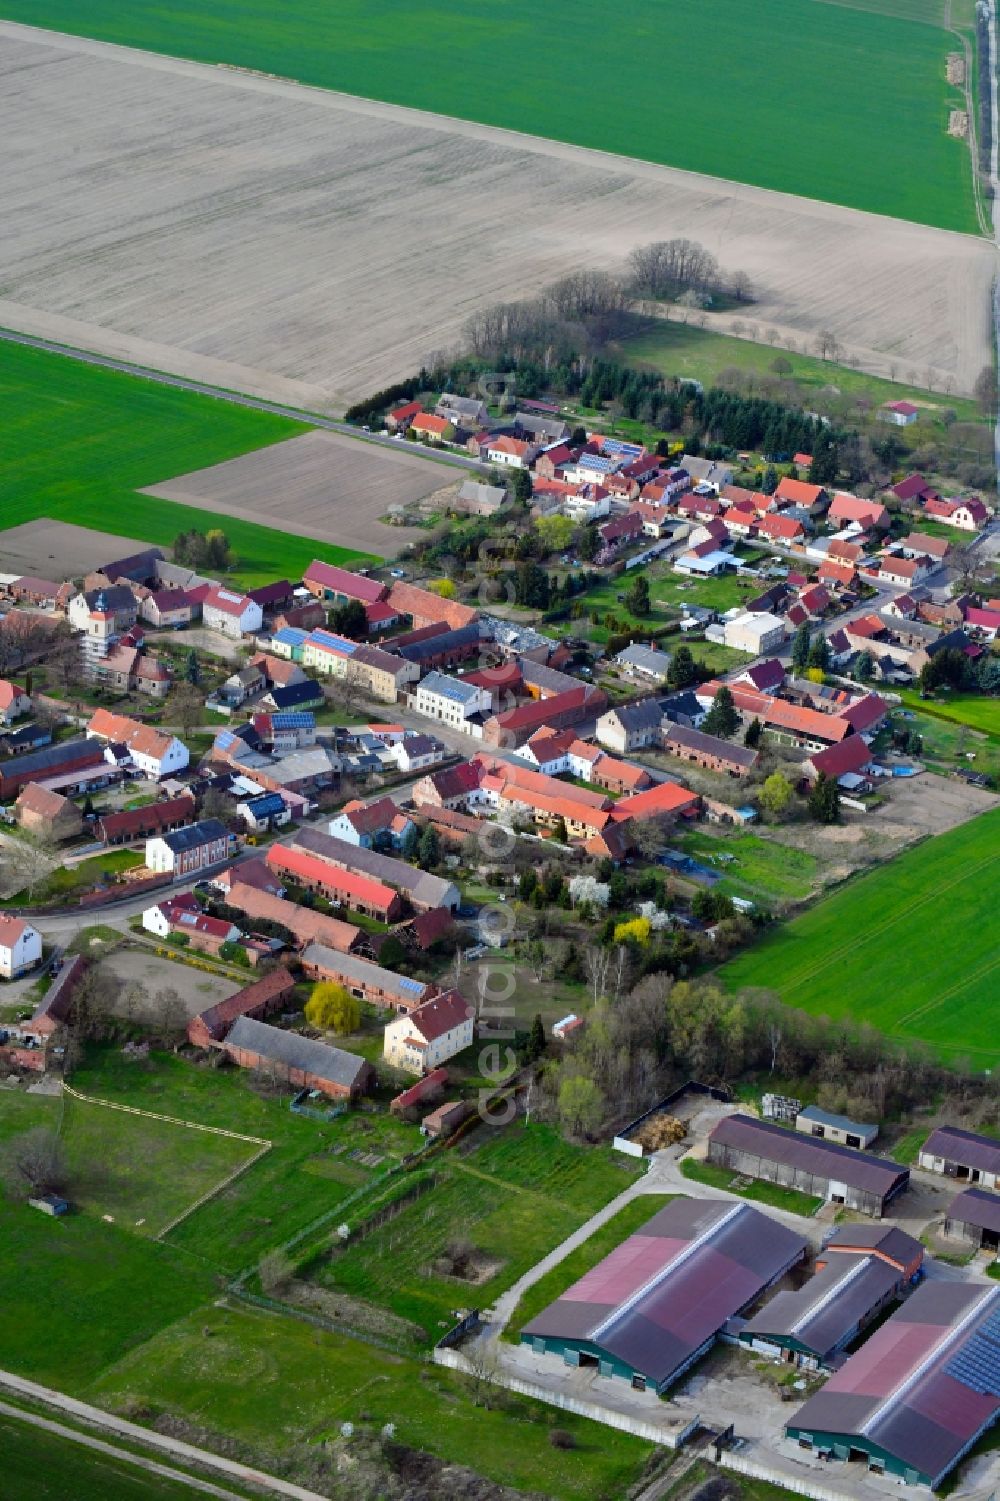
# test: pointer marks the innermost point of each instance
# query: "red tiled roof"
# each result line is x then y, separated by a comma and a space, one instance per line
837, 760
665, 797
134, 822
342, 581
852, 508
797, 492
423, 604
441, 1014
787, 527
355, 887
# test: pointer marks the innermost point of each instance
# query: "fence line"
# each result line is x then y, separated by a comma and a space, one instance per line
212, 1192
171, 1120
798, 1484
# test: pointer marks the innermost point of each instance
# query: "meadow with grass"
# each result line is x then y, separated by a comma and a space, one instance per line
909, 948
80, 442
850, 76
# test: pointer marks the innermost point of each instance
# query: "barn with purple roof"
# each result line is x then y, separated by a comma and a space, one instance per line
916, 1397
655, 1305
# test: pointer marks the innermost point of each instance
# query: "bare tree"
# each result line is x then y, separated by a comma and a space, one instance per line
667, 268
598, 962
483, 1366
827, 346
275, 1271
34, 1163
35, 859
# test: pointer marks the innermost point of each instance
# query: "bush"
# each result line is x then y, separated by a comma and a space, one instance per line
561, 1438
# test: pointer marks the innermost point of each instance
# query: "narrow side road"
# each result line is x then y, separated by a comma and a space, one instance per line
95, 1416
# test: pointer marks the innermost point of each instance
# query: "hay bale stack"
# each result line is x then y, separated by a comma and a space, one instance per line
659, 1132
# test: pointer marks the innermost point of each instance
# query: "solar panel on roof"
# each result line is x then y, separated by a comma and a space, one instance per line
977, 1364
412, 985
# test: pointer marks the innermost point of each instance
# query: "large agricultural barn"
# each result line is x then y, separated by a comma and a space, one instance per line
918, 1394
962, 1155
838, 1174
652, 1307
811, 1325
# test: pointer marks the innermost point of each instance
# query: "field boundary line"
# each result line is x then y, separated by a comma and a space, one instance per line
946, 995
211, 1193
171, 1120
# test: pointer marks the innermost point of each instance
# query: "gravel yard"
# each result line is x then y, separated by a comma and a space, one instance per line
151, 974
310, 246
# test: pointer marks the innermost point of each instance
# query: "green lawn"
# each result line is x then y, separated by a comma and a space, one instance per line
758, 1191
67, 881
80, 441
760, 868
39, 1466
680, 349
272, 1383
142, 1173
948, 743
603, 1241
909, 948
971, 709
848, 77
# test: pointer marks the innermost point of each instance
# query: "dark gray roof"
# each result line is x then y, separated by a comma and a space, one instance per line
640, 716
822, 1315
860, 1170
888, 1240
66, 753
965, 1148
423, 888
666, 1290
444, 642
364, 973
922, 1387
683, 705
206, 831
710, 745
976, 1207
293, 1051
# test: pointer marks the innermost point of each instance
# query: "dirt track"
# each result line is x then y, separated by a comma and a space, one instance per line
308, 246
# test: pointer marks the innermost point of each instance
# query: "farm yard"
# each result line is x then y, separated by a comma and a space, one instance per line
81, 441
909, 948
849, 75
315, 273
321, 485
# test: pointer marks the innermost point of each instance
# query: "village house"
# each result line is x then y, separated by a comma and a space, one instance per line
14, 702
371, 825
338, 586
399, 419
231, 613
755, 633
272, 992
182, 916
415, 752
368, 668
922, 545
435, 429
20, 947
969, 515
142, 823
898, 413
168, 609
630, 727
154, 752
452, 700
709, 751
264, 811
41, 811
364, 980
453, 787
852, 511
796, 492
905, 572
462, 411
298, 1061
431, 1034
129, 668
641, 661
187, 850
513, 726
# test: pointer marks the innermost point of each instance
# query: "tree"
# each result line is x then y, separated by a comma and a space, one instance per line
781, 366
274, 1270
556, 532
187, 707
350, 620
824, 799
521, 486
443, 587
683, 670
559, 831
526, 884
948, 668
637, 597
429, 848
770, 481
589, 544
775, 794
333, 1008
985, 391
819, 652
723, 717
192, 668
864, 667
801, 643
754, 731
536, 1040
33, 1163
636, 930
581, 1106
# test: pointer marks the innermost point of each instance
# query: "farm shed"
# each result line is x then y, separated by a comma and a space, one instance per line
974, 1215
825, 1126
422, 889
887, 1242
809, 1327
300, 1061
759, 1149
918, 1394
259, 999
963, 1155
656, 1304
368, 981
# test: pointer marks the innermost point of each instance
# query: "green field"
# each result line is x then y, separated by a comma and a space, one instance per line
79, 441
680, 349
759, 868
40, 1466
910, 948
848, 77
970, 709
276, 1381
